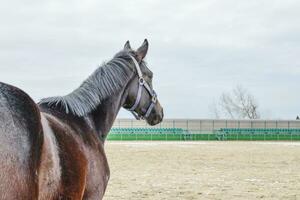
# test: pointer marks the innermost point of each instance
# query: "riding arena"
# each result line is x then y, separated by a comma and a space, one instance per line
74, 146
204, 159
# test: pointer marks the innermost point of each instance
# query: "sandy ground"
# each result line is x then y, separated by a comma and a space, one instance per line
203, 170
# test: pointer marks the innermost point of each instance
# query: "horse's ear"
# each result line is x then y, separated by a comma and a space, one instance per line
142, 51
127, 46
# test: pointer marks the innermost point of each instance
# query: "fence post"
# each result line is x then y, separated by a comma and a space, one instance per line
121, 136
237, 133
291, 134
187, 125
265, 132
239, 126
200, 126
277, 133
251, 133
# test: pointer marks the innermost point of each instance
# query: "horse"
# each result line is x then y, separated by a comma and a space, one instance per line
54, 149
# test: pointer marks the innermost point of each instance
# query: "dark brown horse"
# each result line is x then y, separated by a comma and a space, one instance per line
55, 150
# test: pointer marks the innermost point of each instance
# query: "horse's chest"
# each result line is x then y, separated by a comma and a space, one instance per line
50, 170
97, 177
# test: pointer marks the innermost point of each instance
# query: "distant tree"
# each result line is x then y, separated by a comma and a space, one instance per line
237, 104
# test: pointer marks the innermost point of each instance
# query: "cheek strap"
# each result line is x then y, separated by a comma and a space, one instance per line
142, 84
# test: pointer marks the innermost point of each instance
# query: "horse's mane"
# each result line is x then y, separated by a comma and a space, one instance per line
108, 79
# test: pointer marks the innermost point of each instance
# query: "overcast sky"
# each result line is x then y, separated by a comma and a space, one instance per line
198, 48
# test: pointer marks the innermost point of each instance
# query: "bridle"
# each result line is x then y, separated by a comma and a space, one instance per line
142, 84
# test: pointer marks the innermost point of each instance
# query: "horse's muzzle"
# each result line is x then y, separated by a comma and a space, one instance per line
156, 117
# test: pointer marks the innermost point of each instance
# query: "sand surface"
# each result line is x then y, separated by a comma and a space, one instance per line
203, 170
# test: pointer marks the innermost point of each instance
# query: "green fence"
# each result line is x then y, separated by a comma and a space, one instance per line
258, 134
178, 134
162, 137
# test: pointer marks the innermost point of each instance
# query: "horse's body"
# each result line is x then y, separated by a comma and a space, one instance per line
53, 155
55, 150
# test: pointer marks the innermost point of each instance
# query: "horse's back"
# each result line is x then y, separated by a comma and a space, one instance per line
20, 143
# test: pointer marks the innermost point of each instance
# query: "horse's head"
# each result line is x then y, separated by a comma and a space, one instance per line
141, 99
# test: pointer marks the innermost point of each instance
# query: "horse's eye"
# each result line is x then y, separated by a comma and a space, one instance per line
151, 76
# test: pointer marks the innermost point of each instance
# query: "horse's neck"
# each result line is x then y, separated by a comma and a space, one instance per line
102, 118
106, 113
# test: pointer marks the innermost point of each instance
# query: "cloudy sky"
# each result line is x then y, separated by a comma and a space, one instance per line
198, 48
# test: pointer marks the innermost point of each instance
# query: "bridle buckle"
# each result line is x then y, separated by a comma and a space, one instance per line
154, 99
141, 81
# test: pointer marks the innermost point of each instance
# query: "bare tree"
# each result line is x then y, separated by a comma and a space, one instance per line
238, 104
